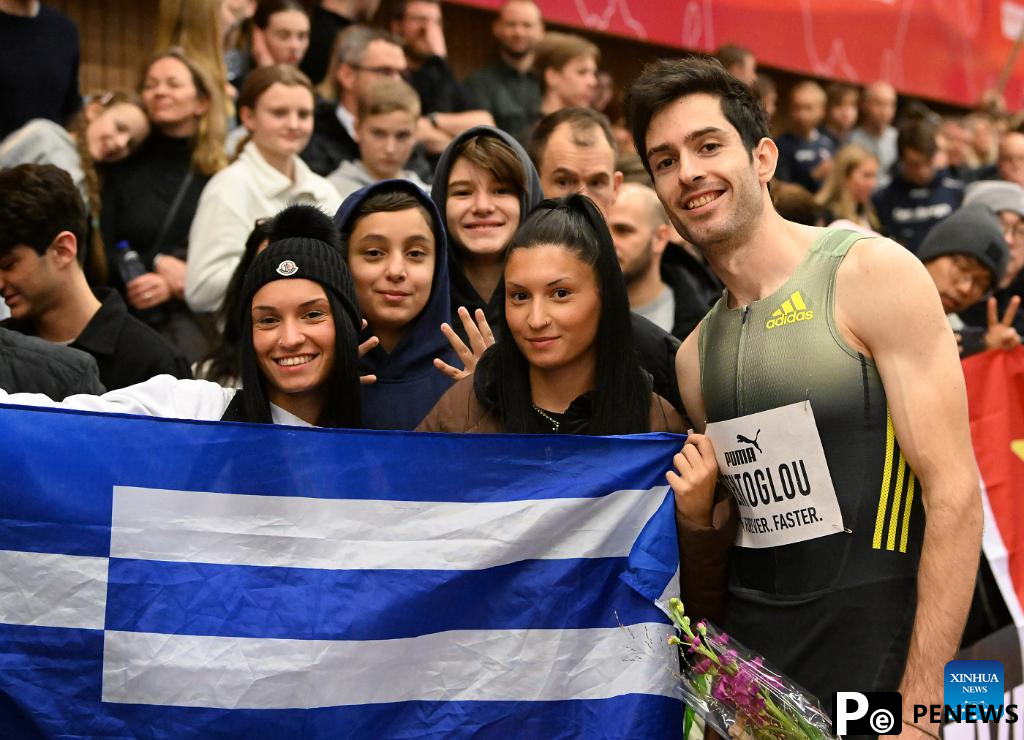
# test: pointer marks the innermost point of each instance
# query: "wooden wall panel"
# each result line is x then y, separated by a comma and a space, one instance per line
116, 38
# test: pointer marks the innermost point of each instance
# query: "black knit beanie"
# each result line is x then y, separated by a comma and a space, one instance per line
972, 230
302, 257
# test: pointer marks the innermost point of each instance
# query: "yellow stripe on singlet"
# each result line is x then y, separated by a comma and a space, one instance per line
883, 501
894, 517
906, 512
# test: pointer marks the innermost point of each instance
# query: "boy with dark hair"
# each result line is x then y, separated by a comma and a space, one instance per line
42, 221
841, 104
393, 241
836, 340
920, 195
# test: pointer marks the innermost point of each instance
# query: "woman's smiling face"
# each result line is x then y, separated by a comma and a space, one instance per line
293, 335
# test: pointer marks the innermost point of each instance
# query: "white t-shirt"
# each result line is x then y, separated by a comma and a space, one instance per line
164, 396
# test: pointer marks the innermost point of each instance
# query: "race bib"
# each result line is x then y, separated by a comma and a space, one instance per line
775, 468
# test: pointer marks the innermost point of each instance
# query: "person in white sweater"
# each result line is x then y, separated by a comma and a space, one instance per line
276, 107
300, 365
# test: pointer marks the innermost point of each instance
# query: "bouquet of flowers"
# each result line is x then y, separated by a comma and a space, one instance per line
735, 693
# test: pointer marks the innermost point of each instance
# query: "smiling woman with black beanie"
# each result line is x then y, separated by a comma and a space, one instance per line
300, 366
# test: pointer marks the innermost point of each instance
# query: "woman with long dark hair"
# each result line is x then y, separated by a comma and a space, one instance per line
565, 361
485, 185
299, 356
222, 365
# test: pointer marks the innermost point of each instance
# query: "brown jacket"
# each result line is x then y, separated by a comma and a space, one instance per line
458, 410
703, 551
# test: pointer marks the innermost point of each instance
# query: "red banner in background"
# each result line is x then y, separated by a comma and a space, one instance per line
947, 50
995, 397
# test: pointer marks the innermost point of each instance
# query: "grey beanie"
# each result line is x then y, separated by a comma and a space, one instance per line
997, 195
973, 230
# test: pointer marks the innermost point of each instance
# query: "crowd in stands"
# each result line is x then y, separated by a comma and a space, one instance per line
248, 107
301, 215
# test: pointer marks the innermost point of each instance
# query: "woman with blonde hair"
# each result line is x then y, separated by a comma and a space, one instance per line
846, 194
194, 26
276, 108
149, 200
110, 127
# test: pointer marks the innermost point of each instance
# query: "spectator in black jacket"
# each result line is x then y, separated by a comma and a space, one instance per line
659, 289
42, 221
32, 365
150, 198
38, 65
329, 18
447, 109
507, 88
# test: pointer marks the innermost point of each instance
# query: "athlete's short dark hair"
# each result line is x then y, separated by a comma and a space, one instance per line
37, 202
666, 80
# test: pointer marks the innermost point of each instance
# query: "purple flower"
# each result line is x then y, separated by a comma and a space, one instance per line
695, 643
704, 666
722, 689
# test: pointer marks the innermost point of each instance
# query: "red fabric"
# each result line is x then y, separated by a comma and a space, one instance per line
995, 397
950, 51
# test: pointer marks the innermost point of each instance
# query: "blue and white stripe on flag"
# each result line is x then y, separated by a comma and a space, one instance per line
168, 579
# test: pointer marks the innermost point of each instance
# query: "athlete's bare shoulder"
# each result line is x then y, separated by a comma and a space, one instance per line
879, 285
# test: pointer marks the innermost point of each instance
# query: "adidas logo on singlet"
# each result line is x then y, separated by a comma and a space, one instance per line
792, 310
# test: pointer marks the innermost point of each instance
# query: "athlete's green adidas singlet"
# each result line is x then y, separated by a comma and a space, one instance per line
834, 613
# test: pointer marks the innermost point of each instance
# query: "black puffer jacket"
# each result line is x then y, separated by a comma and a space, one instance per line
32, 365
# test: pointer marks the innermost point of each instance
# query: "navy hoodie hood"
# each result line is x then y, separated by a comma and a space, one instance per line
462, 291
408, 385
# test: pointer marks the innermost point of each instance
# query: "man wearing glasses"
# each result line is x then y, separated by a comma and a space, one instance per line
966, 255
1006, 199
362, 57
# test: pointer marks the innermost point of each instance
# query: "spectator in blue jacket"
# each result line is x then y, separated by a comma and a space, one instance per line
805, 154
920, 195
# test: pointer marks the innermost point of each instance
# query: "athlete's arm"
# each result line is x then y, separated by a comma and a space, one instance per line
688, 378
887, 305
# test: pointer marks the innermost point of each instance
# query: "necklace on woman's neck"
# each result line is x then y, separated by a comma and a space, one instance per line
555, 423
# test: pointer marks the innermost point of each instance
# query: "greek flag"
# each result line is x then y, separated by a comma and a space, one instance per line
170, 579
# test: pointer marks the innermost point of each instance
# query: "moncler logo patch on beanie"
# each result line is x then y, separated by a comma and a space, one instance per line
287, 268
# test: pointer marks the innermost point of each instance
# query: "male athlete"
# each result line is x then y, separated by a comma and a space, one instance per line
838, 345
